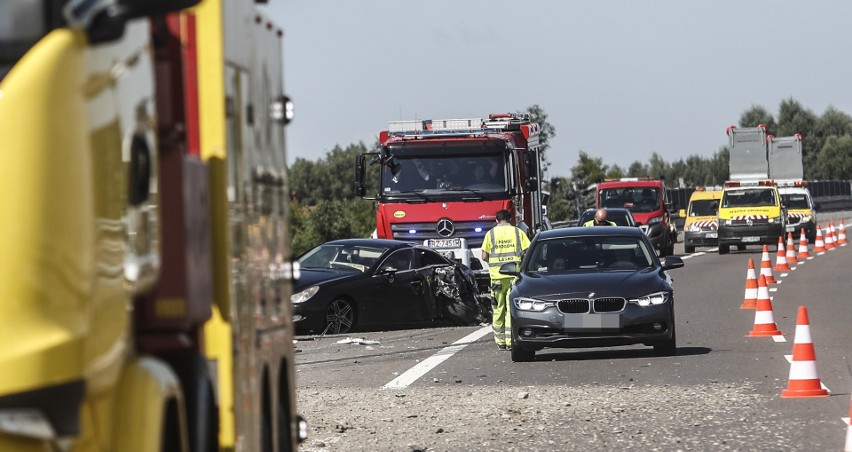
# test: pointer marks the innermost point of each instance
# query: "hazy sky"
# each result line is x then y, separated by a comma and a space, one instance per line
618, 79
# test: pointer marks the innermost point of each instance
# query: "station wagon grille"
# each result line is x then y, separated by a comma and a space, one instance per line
573, 306
581, 305
609, 304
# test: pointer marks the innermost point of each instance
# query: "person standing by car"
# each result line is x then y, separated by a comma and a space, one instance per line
599, 220
503, 243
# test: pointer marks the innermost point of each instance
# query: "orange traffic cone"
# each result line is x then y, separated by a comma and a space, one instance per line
832, 233
841, 238
764, 321
766, 266
803, 381
750, 297
791, 250
819, 245
829, 237
781, 257
848, 447
803, 246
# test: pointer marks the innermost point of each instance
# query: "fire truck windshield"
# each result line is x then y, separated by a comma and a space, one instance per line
442, 173
636, 199
22, 24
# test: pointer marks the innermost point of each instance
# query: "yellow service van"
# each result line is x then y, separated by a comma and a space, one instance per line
700, 224
750, 213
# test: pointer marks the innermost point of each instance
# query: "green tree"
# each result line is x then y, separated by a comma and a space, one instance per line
755, 116
546, 132
834, 160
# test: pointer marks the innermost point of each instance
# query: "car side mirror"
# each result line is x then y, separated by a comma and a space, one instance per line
510, 268
672, 262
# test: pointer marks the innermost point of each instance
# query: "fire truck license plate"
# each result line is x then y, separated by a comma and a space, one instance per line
444, 243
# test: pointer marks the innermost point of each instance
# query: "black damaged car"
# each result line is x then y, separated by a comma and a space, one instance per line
352, 284
592, 287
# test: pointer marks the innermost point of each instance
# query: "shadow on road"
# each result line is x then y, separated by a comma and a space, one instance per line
627, 353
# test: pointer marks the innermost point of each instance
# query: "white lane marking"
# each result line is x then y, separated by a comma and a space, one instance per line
779, 338
423, 367
789, 359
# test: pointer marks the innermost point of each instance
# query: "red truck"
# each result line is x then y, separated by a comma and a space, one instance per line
442, 182
648, 201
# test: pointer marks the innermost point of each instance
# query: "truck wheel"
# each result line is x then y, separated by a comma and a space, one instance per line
723, 249
688, 249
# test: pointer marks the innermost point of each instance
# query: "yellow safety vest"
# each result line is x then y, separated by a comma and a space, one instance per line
504, 243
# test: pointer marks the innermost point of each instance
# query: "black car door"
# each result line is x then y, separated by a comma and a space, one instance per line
397, 294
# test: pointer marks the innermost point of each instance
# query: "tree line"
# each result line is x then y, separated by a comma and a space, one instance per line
324, 206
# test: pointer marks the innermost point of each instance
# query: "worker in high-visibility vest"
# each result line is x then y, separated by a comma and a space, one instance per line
503, 243
599, 220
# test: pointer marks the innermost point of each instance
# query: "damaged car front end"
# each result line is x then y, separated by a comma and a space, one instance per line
356, 284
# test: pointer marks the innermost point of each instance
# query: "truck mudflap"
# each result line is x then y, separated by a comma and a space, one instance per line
456, 296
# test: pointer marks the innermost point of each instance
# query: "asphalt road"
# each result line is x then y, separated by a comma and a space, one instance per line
713, 352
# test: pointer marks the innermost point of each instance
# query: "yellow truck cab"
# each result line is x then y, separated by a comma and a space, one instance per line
801, 209
700, 224
750, 213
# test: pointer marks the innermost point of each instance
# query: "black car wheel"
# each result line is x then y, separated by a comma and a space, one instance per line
521, 355
669, 347
688, 249
723, 249
340, 317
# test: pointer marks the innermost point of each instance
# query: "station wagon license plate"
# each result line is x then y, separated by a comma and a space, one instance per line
751, 239
711, 235
591, 322
444, 243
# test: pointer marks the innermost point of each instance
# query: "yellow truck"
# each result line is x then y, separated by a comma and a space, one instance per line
145, 274
700, 220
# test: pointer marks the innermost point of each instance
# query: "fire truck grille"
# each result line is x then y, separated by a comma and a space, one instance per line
472, 231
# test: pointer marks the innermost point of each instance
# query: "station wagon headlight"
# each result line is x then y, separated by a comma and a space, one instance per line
693, 227
531, 304
304, 295
652, 299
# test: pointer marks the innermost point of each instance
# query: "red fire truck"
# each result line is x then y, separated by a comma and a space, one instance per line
648, 201
442, 182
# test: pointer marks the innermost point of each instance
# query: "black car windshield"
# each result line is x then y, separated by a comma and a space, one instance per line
588, 253
703, 207
477, 173
795, 201
338, 256
750, 197
619, 217
636, 199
